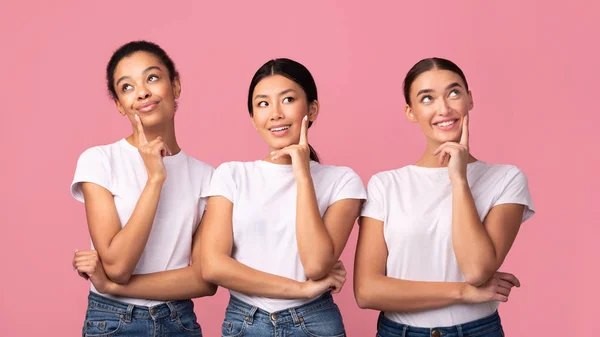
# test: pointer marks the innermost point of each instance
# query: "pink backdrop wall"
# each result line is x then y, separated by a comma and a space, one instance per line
532, 66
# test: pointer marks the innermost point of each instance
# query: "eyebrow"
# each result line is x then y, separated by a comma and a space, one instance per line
145, 71
452, 85
280, 94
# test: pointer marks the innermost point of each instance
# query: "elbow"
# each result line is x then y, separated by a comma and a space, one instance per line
318, 266
209, 290
479, 270
118, 274
210, 271
363, 296
205, 288
477, 277
119, 277
316, 271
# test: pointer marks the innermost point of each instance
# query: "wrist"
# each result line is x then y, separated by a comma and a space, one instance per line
111, 288
460, 292
304, 178
156, 180
301, 289
460, 182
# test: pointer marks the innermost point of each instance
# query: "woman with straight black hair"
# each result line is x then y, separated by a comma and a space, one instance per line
274, 228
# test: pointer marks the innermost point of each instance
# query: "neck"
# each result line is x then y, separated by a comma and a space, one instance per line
167, 132
285, 160
429, 160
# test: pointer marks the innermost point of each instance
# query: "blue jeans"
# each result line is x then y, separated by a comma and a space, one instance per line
484, 327
106, 317
319, 318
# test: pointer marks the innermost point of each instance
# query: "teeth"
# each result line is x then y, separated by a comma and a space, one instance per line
280, 128
446, 123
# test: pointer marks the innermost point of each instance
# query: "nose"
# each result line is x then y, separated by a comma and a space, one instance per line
143, 92
443, 107
276, 112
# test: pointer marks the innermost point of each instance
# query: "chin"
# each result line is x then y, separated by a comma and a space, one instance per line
446, 138
278, 143
156, 118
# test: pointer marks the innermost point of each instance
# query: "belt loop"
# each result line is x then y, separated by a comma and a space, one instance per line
404, 330
173, 311
459, 329
295, 317
250, 316
129, 313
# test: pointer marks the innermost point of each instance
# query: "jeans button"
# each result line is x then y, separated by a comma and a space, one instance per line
153, 311
435, 333
274, 317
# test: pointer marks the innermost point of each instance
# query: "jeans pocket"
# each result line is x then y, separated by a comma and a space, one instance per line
188, 323
234, 324
101, 323
326, 322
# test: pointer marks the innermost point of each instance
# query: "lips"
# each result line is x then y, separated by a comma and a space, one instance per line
445, 123
279, 128
148, 106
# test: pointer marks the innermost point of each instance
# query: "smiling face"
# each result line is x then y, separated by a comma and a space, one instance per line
439, 102
143, 87
278, 107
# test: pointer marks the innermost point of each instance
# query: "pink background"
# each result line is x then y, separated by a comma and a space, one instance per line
532, 65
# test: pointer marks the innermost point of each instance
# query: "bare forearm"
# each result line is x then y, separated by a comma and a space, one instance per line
391, 294
127, 246
472, 245
231, 274
178, 284
314, 243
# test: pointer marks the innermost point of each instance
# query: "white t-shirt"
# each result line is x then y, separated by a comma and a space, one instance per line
415, 205
264, 216
119, 168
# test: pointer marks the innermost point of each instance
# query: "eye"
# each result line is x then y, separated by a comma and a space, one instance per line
288, 100
152, 78
454, 93
263, 104
426, 99
126, 87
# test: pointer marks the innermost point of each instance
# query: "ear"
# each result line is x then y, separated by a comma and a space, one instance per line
313, 110
409, 114
176, 87
253, 123
471, 104
120, 108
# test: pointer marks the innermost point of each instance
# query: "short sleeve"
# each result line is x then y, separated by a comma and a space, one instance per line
222, 183
93, 166
207, 174
515, 190
374, 206
348, 186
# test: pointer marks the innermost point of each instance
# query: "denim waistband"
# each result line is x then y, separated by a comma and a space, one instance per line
402, 330
128, 311
294, 314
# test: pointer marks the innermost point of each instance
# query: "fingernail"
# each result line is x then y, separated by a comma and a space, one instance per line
137, 118
306, 117
273, 152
